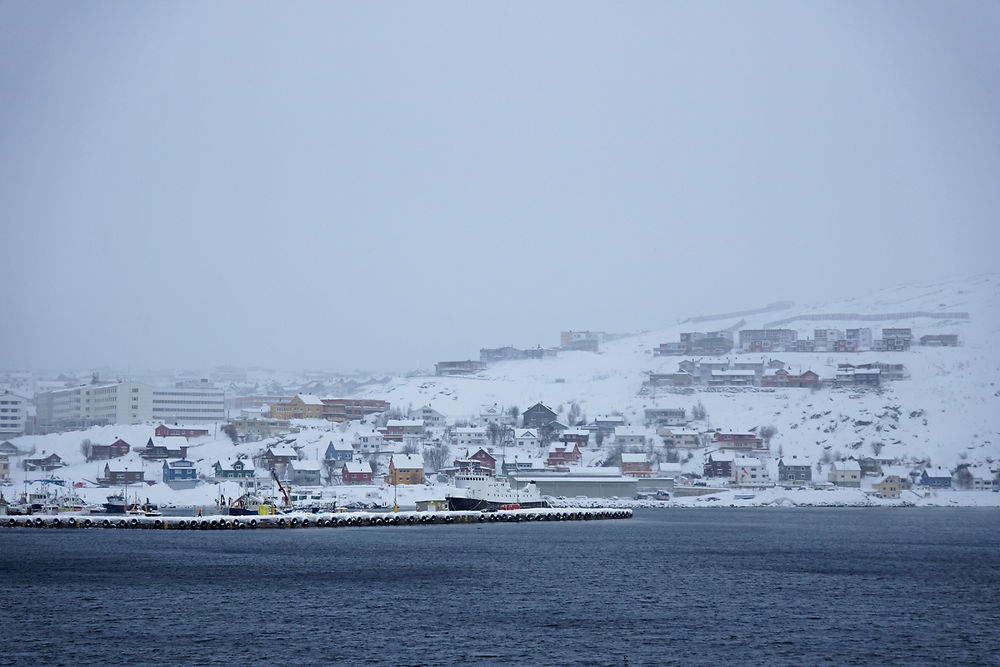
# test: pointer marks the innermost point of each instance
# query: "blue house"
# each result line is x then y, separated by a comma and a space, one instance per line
180, 474
936, 478
338, 453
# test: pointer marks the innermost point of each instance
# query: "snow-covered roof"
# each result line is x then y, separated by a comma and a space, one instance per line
733, 373
283, 451
794, 461
310, 399
610, 419
633, 458
746, 461
628, 431
407, 461
403, 423
168, 441
469, 430
357, 467
723, 456
853, 466
525, 433
305, 465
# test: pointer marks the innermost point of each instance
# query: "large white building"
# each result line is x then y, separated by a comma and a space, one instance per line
129, 403
13, 413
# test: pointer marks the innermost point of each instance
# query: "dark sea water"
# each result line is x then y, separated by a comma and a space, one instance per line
719, 586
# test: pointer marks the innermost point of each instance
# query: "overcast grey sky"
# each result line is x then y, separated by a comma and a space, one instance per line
383, 185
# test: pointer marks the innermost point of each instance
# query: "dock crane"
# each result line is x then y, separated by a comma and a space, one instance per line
288, 503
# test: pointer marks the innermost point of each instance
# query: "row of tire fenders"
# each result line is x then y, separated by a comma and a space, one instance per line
309, 521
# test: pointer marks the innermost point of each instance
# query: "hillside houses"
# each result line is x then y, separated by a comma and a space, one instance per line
495, 355
164, 431
712, 343
665, 416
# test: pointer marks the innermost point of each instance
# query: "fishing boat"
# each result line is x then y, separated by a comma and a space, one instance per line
116, 504
250, 505
481, 492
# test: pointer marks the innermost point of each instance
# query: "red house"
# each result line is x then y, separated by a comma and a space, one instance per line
562, 454
163, 431
575, 436
782, 378
103, 452
483, 459
737, 441
356, 472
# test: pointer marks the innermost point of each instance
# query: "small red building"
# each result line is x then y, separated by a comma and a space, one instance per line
163, 431
484, 461
562, 454
356, 472
103, 452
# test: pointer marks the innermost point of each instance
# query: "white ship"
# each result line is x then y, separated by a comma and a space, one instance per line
479, 492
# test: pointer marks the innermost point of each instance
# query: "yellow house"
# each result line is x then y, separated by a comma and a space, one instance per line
888, 487
405, 469
302, 406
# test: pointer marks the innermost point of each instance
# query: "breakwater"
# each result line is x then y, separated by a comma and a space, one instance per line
310, 520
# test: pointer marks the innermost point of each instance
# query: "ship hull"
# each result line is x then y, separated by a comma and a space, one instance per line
459, 504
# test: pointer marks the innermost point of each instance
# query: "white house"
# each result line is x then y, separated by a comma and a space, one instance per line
626, 436
845, 473
429, 416
366, 442
526, 437
492, 415
679, 437
469, 436
749, 471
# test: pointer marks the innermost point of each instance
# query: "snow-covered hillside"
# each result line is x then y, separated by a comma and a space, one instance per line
946, 413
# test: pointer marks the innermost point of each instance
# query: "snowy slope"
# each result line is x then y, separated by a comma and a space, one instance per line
952, 391
947, 413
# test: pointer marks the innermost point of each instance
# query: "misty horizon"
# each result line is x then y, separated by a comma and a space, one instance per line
349, 187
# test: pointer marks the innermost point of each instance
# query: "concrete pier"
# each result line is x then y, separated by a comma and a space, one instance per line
307, 519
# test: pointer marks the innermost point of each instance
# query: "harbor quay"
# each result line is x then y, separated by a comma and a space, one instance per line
311, 520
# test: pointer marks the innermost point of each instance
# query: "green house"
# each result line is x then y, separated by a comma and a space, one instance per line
234, 469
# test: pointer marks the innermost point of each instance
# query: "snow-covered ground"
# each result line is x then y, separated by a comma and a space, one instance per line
947, 413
